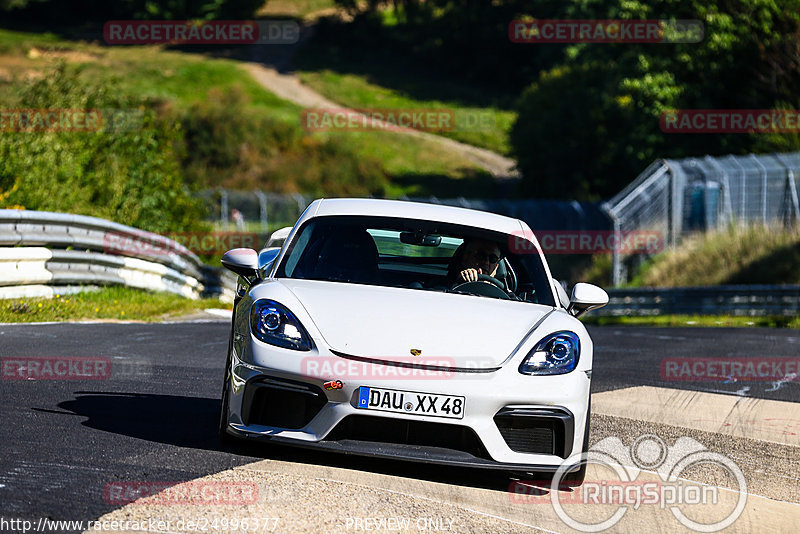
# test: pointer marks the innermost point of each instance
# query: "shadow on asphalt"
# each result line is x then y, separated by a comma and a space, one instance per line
191, 422
172, 420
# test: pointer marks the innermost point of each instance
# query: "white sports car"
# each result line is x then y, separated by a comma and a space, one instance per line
359, 336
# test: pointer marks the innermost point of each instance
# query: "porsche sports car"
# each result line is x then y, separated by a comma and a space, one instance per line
359, 336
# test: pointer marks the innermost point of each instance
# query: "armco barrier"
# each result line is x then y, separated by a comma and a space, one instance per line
40, 249
35, 261
753, 300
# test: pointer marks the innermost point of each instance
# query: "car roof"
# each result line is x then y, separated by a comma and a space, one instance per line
416, 210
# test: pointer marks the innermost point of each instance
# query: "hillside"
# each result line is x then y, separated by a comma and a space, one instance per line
205, 122
755, 255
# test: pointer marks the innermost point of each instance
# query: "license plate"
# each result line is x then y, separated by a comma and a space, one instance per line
410, 402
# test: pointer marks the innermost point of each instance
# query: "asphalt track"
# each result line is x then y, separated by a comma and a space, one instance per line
154, 418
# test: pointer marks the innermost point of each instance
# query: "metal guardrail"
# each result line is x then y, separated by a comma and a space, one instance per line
752, 301
35, 261
44, 249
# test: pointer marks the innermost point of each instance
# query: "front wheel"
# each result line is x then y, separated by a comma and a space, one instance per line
576, 478
224, 437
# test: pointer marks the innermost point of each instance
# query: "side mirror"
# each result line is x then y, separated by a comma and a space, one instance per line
563, 298
242, 261
278, 237
586, 297
266, 258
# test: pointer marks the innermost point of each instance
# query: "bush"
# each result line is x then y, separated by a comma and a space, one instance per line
232, 144
132, 177
589, 124
98, 10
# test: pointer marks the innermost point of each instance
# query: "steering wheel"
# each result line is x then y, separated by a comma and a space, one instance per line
487, 286
491, 280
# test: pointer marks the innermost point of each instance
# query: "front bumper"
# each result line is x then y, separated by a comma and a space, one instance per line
511, 421
396, 451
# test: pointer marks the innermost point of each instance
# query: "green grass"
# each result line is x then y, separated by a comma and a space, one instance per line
358, 72
695, 320
734, 255
357, 91
110, 303
14, 41
405, 157
295, 8
182, 79
754, 255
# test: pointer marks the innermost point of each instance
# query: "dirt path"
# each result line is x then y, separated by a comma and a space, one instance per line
271, 68
289, 87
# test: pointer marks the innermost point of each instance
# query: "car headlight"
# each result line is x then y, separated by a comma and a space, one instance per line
556, 354
272, 323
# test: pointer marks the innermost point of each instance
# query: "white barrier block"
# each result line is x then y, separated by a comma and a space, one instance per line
24, 253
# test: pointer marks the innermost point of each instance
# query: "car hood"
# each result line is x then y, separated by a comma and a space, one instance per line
384, 323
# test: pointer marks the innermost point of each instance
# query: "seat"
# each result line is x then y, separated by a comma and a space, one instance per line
506, 275
348, 255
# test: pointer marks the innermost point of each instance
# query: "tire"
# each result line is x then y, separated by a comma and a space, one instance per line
224, 437
576, 478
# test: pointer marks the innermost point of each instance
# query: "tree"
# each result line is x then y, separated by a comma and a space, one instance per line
587, 126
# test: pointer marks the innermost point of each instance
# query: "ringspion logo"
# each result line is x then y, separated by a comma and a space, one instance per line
621, 491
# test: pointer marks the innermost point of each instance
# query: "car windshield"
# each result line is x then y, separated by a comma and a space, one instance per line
411, 254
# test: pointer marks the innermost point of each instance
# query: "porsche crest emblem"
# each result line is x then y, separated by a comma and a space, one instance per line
416, 352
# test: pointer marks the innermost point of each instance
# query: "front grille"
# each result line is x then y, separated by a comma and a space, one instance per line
536, 431
536, 437
281, 403
407, 432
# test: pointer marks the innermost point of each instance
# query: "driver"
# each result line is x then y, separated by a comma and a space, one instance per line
479, 257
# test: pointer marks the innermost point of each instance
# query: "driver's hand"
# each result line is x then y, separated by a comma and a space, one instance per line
470, 275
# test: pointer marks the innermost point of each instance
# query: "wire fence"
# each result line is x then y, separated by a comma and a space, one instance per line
679, 197
670, 199
253, 211
264, 212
